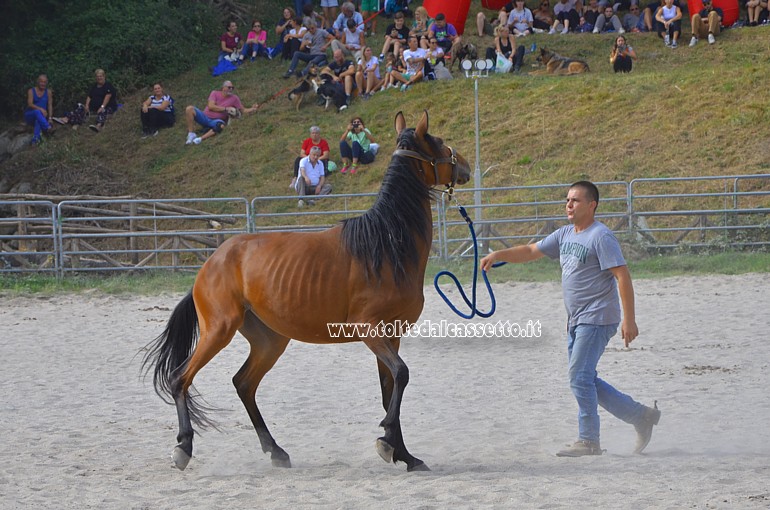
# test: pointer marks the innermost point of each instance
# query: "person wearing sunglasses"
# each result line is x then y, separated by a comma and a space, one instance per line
255, 43
486, 27
543, 17
633, 21
707, 22
222, 105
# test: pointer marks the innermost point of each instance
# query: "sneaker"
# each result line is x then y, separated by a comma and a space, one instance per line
622, 31
552, 31
190, 138
353, 169
288, 74
581, 448
596, 31
712, 39
344, 169
300, 203
197, 140
674, 45
94, 128
650, 418
667, 40
382, 57
154, 133
404, 87
59, 120
693, 41
565, 31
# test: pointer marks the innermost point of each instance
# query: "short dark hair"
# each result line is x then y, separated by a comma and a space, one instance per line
440, 16
590, 188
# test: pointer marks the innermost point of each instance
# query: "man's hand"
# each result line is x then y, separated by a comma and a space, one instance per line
628, 331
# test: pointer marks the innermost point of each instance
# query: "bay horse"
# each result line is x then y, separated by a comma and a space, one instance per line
366, 269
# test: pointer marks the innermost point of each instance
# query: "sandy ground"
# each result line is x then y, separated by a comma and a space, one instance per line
80, 429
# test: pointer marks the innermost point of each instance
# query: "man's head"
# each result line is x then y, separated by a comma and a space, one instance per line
398, 18
309, 24
339, 57
413, 42
351, 24
706, 4
42, 81
348, 9
315, 153
227, 87
440, 20
582, 201
101, 76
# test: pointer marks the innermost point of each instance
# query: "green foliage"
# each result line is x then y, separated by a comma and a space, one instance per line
136, 42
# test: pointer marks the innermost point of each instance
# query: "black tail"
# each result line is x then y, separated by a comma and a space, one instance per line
169, 354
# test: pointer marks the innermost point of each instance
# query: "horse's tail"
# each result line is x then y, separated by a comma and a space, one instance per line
170, 352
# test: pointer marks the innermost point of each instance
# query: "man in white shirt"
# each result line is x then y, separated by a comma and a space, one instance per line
414, 60
312, 180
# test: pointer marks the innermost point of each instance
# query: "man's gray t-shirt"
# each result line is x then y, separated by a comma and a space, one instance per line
590, 290
317, 41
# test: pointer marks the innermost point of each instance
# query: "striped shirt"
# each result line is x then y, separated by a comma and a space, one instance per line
155, 103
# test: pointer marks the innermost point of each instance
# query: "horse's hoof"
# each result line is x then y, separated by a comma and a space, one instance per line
181, 459
384, 449
281, 462
418, 467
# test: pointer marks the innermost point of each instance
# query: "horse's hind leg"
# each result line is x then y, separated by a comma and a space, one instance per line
266, 347
394, 376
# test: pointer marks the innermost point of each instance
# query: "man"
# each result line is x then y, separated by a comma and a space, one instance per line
486, 28
445, 33
315, 140
312, 49
352, 42
348, 11
344, 73
593, 272
633, 21
414, 58
707, 21
311, 180
221, 105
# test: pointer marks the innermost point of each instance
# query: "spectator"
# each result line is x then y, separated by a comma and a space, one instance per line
650, 12
670, 18
504, 47
755, 10
344, 73
282, 30
368, 77
420, 26
362, 148
707, 21
315, 140
330, 12
567, 14
435, 53
445, 33
520, 19
309, 12
256, 43
348, 12
414, 59
101, 100
39, 108
313, 48
312, 179
633, 21
292, 39
543, 17
352, 41
370, 9
396, 36
391, 64
230, 42
157, 111
591, 13
485, 27
622, 55
221, 105
608, 20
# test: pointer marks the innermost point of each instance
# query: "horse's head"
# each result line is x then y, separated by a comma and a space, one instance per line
439, 163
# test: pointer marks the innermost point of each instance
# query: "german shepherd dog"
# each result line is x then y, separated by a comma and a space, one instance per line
556, 64
462, 50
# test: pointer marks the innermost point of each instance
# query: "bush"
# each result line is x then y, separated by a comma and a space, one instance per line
136, 43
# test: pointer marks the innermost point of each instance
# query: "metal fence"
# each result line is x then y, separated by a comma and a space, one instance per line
180, 234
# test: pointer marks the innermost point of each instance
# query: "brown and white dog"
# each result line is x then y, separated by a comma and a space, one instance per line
558, 65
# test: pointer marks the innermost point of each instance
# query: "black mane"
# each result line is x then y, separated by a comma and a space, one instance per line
389, 230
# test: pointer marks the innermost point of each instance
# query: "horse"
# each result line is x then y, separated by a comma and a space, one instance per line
365, 269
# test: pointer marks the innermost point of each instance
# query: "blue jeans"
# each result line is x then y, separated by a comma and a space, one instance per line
252, 47
37, 119
311, 58
209, 124
357, 152
586, 343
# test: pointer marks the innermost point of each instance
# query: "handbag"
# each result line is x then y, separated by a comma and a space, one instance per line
502, 65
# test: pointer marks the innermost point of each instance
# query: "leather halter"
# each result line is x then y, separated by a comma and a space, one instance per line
451, 160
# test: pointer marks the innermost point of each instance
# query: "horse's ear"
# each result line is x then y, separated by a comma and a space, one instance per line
422, 127
400, 123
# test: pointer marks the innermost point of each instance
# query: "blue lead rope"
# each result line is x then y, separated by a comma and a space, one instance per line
470, 302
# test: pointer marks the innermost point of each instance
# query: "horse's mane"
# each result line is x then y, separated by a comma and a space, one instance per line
389, 230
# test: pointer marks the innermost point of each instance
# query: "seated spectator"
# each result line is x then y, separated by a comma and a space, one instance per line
282, 30
256, 43
102, 100
315, 140
391, 64
420, 26
633, 21
309, 12
221, 105
445, 33
368, 77
608, 20
756, 11
567, 14
520, 19
39, 108
230, 42
312, 50
352, 41
504, 47
414, 59
670, 19
584, 26
312, 178
707, 22
485, 27
348, 11
650, 13
435, 53
157, 111
591, 13
543, 17
344, 73
622, 55
292, 39
330, 12
396, 35
361, 149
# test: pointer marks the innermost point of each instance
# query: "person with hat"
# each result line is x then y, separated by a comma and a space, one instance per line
706, 22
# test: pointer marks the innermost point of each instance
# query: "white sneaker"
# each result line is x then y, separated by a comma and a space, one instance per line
300, 203
190, 138
552, 31
667, 40
197, 140
693, 41
622, 31
596, 31
565, 31
712, 39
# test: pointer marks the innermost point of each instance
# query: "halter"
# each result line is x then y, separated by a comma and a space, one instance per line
451, 160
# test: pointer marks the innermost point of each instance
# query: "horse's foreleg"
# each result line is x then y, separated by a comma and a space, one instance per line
394, 376
266, 347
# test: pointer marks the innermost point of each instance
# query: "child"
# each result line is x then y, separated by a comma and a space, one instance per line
390, 65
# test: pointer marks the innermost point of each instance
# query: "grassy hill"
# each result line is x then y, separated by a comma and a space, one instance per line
683, 112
